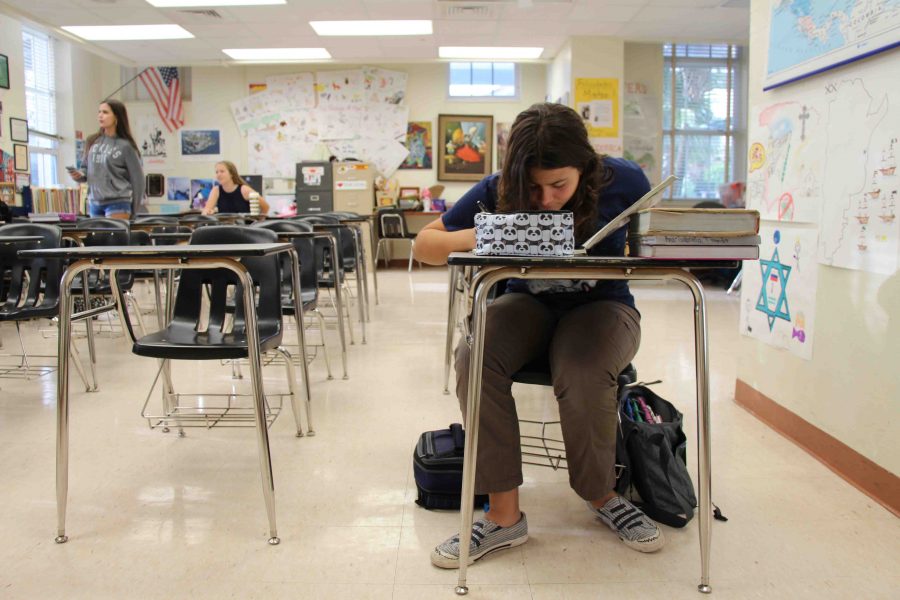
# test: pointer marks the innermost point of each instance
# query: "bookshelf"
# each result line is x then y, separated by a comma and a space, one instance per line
59, 200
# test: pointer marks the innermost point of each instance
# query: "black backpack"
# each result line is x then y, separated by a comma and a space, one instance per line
653, 454
437, 468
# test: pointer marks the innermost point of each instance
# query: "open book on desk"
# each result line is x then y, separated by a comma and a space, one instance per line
648, 200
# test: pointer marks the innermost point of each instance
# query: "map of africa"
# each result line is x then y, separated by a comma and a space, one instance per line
807, 36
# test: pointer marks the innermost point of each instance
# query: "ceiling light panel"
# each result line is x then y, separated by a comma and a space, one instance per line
372, 28
490, 52
263, 54
129, 32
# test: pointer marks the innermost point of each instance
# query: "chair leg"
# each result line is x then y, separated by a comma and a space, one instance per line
24, 361
321, 320
412, 247
292, 387
129, 297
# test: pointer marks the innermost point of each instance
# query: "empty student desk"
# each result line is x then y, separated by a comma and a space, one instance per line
166, 258
494, 269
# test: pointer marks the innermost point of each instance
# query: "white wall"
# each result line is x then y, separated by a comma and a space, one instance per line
644, 68
214, 88
13, 99
851, 386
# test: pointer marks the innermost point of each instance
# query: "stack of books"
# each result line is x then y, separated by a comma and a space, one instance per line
695, 233
58, 200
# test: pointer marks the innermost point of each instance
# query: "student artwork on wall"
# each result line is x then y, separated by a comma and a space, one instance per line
778, 292
178, 189
418, 142
201, 144
825, 151
298, 88
502, 141
200, 189
339, 88
465, 148
381, 86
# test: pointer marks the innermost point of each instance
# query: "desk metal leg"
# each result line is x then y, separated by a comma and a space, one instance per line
336, 280
704, 454
473, 408
62, 396
451, 326
88, 324
259, 399
301, 337
364, 267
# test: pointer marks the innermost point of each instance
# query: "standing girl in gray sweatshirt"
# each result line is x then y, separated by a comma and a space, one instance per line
114, 174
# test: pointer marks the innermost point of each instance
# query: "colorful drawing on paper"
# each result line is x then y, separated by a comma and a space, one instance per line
200, 189
7, 168
778, 293
418, 142
383, 86
826, 153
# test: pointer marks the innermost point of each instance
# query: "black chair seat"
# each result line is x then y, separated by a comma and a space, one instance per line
180, 341
23, 313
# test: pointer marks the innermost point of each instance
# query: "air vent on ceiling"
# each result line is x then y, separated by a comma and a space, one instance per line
468, 10
199, 12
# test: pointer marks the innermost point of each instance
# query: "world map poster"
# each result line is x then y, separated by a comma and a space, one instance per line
809, 36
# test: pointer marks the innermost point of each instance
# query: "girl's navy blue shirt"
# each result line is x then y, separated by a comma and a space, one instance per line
627, 186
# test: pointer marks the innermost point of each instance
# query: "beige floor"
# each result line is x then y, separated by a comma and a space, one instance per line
154, 516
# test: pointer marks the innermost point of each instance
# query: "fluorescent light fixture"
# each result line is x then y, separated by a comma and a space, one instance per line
277, 53
372, 28
489, 52
203, 3
129, 32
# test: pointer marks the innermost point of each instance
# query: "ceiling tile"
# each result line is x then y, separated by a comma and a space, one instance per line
454, 27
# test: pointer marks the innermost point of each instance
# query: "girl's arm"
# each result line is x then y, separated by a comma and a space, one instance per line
210, 207
135, 176
434, 243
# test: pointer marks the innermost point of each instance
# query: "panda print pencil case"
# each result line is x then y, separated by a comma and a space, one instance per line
528, 233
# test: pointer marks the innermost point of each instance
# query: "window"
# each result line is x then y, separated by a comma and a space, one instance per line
40, 107
700, 110
483, 80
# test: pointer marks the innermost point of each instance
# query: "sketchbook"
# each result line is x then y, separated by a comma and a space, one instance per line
648, 200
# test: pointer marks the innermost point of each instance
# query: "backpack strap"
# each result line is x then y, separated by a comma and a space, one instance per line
459, 437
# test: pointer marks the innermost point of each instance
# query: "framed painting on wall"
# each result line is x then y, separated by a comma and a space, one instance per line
418, 142
465, 149
4, 72
20, 154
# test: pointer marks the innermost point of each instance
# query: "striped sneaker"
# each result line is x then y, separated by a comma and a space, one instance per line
634, 528
487, 537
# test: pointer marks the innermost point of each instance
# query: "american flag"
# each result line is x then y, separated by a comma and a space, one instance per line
163, 86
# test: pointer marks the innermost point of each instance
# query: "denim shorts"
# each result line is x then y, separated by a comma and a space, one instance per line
104, 210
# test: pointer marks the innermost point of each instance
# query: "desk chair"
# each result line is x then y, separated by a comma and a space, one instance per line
29, 289
346, 247
196, 221
392, 226
192, 334
310, 256
111, 232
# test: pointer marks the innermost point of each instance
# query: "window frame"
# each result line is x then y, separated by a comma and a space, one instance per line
684, 55
517, 79
43, 146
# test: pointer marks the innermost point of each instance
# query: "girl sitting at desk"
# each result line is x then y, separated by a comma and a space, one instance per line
590, 330
231, 194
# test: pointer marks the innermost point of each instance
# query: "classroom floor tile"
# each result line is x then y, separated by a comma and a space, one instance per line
154, 515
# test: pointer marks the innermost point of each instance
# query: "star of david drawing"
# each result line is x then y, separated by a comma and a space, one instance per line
774, 274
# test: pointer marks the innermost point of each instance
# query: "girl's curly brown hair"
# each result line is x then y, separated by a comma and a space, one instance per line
553, 136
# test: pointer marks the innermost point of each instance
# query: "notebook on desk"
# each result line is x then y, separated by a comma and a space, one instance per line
648, 200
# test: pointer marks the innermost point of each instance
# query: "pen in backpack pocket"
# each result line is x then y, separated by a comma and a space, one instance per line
481, 207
